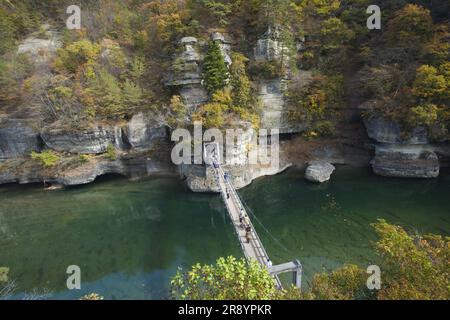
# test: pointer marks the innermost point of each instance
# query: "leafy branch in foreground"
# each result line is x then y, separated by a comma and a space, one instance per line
412, 267
228, 279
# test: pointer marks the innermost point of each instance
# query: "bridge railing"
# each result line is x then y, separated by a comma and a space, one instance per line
257, 243
259, 250
229, 210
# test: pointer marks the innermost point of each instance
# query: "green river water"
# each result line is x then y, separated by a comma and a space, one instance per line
129, 238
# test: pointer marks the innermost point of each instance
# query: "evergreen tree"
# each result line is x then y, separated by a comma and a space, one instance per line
215, 71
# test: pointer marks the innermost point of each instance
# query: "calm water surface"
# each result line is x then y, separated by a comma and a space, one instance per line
129, 238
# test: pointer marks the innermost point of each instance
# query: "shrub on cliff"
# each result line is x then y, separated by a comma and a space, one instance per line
239, 81
430, 83
410, 27
346, 283
212, 115
422, 115
215, 113
266, 70
177, 116
414, 266
316, 104
47, 158
76, 55
107, 95
111, 152
245, 104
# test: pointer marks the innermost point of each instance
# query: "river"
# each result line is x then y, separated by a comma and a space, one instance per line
129, 238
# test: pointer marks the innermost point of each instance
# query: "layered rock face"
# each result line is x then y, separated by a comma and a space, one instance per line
269, 47
274, 114
395, 156
238, 164
186, 75
133, 166
18, 138
141, 145
272, 97
412, 163
142, 132
92, 141
225, 46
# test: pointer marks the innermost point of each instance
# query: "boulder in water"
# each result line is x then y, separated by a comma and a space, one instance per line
319, 171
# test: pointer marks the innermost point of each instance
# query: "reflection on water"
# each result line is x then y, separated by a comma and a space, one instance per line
130, 237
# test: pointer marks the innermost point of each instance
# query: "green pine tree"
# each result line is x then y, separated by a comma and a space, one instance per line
215, 71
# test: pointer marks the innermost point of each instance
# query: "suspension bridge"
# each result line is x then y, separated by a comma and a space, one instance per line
249, 240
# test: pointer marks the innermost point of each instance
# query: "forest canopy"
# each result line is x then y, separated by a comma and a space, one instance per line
117, 63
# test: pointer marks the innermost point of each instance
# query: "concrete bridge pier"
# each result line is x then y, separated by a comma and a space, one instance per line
294, 266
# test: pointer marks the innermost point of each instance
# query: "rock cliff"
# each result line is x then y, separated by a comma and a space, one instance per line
141, 146
186, 75
402, 155
18, 138
237, 162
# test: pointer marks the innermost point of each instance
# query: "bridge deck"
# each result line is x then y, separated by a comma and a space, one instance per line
253, 249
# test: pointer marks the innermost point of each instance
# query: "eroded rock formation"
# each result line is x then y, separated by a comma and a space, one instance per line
319, 171
143, 132
18, 138
238, 164
186, 75
274, 113
94, 140
401, 155
141, 145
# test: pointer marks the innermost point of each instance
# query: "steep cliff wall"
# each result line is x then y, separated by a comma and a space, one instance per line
238, 163
141, 148
407, 155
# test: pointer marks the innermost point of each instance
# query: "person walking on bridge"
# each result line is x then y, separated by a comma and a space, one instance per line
248, 230
247, 235
247, 222
241, 220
